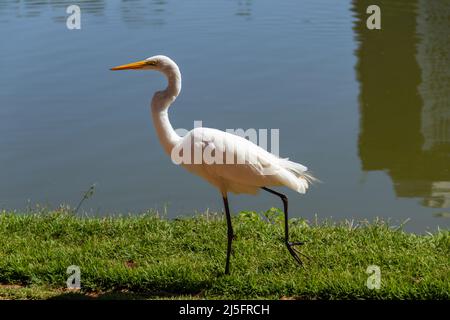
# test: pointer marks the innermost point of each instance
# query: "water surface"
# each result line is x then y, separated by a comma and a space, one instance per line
366, 110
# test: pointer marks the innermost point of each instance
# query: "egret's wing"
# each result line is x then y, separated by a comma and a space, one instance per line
235, 164
236, 159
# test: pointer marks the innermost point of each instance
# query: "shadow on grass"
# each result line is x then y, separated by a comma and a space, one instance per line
125, 295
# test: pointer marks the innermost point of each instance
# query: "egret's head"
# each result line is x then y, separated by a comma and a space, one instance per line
160, 63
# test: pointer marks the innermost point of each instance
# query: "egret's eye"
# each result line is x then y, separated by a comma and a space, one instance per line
152, 62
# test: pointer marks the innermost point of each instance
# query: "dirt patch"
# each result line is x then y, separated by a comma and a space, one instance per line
11, 286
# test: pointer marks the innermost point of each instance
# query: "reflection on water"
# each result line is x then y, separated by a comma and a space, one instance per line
405, 117
133, 12
142, 13
244, 8
33, 8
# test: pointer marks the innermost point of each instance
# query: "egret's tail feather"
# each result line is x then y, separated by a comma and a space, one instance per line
300, 171
308, 176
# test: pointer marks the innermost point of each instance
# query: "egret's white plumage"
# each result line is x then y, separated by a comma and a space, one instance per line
253, 167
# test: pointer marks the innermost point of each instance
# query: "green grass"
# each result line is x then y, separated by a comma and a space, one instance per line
148, 256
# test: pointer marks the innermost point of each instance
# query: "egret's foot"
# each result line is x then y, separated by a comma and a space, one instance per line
295, 253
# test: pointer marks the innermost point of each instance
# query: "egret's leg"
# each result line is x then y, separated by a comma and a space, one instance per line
290, 245
230, 234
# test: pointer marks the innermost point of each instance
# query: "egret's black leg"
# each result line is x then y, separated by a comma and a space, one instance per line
290, 245
230, 234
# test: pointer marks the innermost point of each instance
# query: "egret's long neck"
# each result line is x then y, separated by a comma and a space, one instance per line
160, 105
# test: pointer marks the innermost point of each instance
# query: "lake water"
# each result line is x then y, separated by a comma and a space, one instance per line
366, 110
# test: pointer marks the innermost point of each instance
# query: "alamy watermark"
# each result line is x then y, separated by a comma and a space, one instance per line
373, 22
73, 21
200, 147
374, 280
74, 280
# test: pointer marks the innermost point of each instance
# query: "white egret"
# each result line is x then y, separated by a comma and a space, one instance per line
251, 167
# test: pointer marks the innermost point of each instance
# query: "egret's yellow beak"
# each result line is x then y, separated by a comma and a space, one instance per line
133, 65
